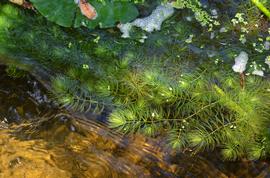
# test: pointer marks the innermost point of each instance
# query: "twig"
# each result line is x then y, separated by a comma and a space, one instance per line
261, 7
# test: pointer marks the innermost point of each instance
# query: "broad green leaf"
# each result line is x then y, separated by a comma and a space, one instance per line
67, 13
61, 12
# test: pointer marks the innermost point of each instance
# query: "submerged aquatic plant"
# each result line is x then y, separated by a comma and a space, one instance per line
199, 114
14, 72
195, 110
144, 90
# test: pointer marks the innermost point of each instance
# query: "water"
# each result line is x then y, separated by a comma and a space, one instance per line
37, 139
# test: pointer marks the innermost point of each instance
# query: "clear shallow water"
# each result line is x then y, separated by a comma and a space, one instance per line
39, 140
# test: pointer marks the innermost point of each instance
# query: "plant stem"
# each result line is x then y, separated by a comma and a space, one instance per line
242, 80
261, 7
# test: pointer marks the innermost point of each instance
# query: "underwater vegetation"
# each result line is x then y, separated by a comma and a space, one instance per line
178, 82
193, 111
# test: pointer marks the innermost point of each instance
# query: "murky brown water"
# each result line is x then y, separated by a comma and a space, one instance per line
37, 140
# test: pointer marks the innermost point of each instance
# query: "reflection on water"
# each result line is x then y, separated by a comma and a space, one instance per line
37, 140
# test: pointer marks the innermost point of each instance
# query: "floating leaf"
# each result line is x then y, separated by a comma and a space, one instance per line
68, 14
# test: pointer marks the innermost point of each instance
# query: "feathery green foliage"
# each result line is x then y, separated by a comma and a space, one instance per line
73, 95
196, 112
14, 72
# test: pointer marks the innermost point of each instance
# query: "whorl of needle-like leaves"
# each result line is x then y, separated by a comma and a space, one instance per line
72, 95
199, 112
